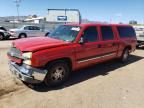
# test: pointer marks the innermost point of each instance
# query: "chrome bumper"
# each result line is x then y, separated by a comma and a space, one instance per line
27, 73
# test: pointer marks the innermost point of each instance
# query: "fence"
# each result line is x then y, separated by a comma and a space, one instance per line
46, 25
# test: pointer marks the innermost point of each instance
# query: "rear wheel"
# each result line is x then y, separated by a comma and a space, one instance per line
58, 73
125, 55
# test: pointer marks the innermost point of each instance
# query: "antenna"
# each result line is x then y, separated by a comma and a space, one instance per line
17, 2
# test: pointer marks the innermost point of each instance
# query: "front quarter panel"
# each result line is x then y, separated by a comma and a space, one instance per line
43, 57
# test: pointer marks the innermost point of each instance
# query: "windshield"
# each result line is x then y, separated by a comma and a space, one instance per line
65, 33
20, 27
2, 28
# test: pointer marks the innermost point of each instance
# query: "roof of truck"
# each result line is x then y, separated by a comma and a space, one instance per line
97, 24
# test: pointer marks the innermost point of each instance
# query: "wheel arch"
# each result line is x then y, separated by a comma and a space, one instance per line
64, 59
128, 47
22, 34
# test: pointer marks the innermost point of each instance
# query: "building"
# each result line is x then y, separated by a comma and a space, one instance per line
35, 20
63, 16
133, 22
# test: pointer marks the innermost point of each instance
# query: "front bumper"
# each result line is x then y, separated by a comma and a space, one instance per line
14, 35
27, 74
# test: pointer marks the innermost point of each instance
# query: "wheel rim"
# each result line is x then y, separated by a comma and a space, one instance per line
58, 73
22, 36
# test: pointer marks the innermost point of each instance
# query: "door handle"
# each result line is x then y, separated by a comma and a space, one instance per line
114, 44
99, 46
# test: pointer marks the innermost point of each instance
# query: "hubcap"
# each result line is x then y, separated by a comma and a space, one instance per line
22, 36
58, 73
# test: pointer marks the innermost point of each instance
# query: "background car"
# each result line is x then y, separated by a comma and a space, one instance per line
4, 34
27, 31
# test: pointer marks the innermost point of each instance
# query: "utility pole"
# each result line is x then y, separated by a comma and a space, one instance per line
17, 2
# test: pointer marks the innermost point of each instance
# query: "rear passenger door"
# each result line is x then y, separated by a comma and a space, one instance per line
109, 43
127, 37
29, 31
38, 31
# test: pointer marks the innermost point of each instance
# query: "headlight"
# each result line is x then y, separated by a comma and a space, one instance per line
5, 33
11, 32
27, 55
27, 58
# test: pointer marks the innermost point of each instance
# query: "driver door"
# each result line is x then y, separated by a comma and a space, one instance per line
88, 52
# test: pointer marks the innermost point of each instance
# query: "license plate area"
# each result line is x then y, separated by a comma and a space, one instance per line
16, 73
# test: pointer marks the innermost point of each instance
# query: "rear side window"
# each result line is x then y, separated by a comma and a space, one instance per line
126, 32
107, 33
90, 34
36, 28
31, 28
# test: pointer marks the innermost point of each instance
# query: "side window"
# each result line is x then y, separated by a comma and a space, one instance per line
31, 27
126, 32
107, 33
90, 34
26, 28
36, 28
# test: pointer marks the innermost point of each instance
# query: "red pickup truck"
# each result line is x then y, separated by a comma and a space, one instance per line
68, 48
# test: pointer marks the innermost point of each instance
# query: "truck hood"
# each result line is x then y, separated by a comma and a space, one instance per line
38, 43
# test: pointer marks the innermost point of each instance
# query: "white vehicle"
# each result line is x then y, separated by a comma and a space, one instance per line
140, 35
27, 31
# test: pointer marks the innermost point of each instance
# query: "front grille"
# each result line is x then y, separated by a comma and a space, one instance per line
14, 52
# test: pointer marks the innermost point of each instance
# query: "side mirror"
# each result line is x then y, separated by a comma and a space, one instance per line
81, 40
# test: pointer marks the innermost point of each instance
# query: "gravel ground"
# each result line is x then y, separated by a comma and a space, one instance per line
106, 85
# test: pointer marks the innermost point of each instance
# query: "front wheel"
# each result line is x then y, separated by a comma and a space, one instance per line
1, 36
22, 35
58, 73
125, 55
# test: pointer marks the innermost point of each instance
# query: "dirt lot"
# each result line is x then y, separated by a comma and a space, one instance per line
107, 85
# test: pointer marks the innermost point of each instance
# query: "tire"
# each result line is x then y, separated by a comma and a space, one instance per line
58, 73
137, 46
23, 35
125, 56
1, 36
